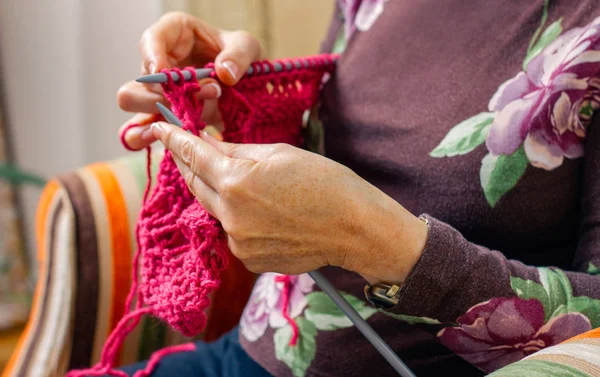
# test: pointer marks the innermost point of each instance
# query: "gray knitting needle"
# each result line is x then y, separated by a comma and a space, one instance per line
169, 116
380, 345
206, 72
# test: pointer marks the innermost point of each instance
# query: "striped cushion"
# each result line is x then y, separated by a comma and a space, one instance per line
85, 232
576, 357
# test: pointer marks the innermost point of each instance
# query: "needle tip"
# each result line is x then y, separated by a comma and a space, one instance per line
153, 78
168, 115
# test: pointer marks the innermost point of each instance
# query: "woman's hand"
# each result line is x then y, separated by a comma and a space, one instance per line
291, 211
178, 40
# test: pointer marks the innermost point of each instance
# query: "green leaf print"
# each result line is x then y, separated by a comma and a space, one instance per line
299, 356
557, 286
586, 306
528, 289
323, 312
499, 174
465, 136
339, 45
549, 35
593, 270
556, 295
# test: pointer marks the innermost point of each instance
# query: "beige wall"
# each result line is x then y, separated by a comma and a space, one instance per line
63, 61
298, 26
286, 28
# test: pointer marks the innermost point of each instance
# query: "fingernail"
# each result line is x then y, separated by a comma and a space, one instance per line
152, 67
211, 90
156, 129
232, 68
213, 133
207, 135
147, 134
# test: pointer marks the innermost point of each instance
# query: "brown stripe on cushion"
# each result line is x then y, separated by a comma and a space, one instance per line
44, 307
86, 298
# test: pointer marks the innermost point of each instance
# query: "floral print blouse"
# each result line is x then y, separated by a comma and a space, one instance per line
479, 115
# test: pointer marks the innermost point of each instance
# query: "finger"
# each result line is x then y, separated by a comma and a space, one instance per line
202, 158
175, 35
239, 50
211, 115
253, 152
139, 137
207, 197
136, 97
209, 89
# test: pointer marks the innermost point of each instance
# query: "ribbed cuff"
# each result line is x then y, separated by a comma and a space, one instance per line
430, 288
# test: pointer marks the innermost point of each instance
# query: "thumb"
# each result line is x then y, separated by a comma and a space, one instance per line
252, 152
240, 49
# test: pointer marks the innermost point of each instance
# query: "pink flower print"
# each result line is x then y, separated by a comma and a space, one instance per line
548, 107
360, 14
265, 306
501, 331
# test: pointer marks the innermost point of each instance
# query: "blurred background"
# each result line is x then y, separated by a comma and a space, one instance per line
61, 63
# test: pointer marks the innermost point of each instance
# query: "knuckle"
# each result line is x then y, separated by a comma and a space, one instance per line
170, 18
233, 226
190, 180
167, 138
282, 147
250, 43
145, 38
230, 188
171, 15
243, 34
239, 251
164, 22
187, 153
124, 97
230, 227
255, 268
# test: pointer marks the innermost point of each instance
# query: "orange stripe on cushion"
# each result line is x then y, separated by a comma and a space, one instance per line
116, 209
40, 229
586, 335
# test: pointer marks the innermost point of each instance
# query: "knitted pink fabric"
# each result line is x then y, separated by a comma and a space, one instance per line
182, 249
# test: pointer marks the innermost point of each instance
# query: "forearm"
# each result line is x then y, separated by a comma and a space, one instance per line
501, 310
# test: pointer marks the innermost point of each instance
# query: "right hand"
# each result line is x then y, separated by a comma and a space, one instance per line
178, 40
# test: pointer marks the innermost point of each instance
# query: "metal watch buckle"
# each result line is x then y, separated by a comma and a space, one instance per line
382, 295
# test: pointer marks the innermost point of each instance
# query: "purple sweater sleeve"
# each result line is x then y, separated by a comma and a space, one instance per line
495, 310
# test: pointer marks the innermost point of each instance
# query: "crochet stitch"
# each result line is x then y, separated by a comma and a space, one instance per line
182, 248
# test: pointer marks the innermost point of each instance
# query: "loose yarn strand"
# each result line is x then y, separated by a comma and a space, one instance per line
285, 311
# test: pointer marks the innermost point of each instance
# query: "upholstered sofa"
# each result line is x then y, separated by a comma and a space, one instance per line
85, 240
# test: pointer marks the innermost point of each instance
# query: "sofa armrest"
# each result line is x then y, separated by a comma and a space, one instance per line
576, 357
86, 240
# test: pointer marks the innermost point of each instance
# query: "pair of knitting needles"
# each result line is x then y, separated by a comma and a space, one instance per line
380, 345
330, 290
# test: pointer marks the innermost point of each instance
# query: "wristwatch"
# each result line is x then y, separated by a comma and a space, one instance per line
382, 296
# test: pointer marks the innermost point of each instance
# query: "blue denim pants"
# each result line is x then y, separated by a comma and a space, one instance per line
222, 358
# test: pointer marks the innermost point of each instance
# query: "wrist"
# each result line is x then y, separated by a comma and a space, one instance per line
391, 242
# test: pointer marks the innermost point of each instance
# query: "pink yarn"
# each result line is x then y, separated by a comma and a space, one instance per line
182, 248
287, 285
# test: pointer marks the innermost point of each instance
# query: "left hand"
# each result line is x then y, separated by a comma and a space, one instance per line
291, 211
